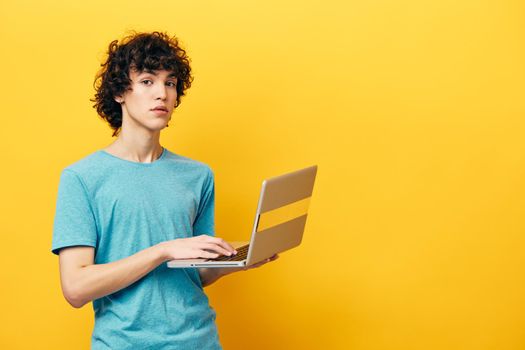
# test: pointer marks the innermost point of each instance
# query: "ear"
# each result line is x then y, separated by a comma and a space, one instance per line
119, 99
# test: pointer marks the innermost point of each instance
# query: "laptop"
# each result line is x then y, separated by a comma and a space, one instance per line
279, 224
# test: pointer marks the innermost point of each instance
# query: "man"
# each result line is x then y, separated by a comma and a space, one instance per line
123, 211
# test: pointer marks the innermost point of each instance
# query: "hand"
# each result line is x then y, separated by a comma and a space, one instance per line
229, 270
261, 263
210, 275
202, 246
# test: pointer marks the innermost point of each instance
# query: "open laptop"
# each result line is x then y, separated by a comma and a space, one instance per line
279, 222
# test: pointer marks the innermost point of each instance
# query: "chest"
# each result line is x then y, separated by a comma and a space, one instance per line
142, 201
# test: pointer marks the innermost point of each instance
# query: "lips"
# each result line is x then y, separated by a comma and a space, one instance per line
160, 108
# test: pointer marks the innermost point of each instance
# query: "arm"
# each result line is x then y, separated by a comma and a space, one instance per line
83, 281
211, 275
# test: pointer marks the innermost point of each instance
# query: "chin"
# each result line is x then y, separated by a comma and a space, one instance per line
155, 128
159, 124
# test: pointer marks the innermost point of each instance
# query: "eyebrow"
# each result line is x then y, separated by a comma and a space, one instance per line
149, 71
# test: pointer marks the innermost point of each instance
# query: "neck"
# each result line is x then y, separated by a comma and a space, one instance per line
136, 146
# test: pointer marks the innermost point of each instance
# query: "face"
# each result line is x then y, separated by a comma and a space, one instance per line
149, 101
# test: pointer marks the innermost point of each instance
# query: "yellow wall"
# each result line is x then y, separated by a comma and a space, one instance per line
412, 109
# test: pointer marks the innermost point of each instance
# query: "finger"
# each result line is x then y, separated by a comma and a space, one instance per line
261, 263
215, 248
265, 261
221, 242
226, 245
205, 254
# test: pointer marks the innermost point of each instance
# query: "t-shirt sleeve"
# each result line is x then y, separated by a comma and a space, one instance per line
74, 223
205, 220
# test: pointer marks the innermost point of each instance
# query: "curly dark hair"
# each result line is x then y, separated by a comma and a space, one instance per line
140, 52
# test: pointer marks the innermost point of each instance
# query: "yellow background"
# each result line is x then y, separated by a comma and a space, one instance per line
412, 109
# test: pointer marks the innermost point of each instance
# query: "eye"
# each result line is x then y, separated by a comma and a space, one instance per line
146, 81
171, 83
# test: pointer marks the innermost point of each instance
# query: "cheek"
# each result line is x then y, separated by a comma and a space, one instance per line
134, 107
136, 100
174, 98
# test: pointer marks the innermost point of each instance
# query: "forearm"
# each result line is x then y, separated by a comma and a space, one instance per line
97, 280
211, 275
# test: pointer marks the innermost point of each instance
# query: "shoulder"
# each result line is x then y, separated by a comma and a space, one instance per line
87, 164
83, 164
87, 169
188, 163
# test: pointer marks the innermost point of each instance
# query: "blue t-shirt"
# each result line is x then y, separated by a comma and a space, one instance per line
121, 207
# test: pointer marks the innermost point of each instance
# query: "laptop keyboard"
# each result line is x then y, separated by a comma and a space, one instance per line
242, 253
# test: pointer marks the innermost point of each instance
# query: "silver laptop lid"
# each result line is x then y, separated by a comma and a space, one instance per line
281, 213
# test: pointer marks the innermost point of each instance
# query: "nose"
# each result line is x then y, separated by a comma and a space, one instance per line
161, 92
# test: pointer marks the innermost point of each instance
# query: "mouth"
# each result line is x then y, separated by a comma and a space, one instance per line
160, 110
